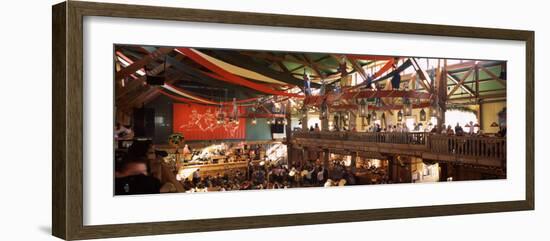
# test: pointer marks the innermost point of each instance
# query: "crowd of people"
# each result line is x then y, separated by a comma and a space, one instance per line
471, 129
268, 176
138, 171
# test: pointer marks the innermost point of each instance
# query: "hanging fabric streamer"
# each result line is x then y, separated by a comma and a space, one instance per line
229, 77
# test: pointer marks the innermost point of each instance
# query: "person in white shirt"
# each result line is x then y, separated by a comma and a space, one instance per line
471, 130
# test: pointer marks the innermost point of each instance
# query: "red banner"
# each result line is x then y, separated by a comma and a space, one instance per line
200, 122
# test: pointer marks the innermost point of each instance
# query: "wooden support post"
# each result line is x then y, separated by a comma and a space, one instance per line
458, 173
394, 169
304, 118
326, 156
443, 172
288, 131
324, 120
441, 88
480, 117
305, 155
476, 76
353, 164
352, 121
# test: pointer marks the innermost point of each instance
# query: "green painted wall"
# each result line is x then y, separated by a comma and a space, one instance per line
260, 131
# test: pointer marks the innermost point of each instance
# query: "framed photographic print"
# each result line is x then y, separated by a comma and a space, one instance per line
171, 120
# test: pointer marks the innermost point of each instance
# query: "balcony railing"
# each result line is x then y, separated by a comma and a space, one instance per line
415, 138
460, 146
482, 147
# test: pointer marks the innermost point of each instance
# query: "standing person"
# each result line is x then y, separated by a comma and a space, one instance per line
321, 175
449, 130
317, 127
458, 129
471, 128
313, 174
196, 176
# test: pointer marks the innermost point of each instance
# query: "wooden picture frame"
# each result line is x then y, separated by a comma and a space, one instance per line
67, 75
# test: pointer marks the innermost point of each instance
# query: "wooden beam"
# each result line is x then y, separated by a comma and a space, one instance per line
138, 83
476, 80
441, 91
312, 66
358, 68
501, 95
145, 95
423, 75
141, 63
315, 61
493, 75
464, 87
461, 81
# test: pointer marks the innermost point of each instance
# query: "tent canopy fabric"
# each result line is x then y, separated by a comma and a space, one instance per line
201, 75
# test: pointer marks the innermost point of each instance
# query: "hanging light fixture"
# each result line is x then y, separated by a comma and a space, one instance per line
220, 116
407, 106
422, 115
254, 121
373, 115
378, 105
399, 116
363, 108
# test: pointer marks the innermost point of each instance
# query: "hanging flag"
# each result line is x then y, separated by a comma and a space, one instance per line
396, 81
369, 81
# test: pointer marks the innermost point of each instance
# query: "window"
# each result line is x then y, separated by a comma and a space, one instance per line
461, 117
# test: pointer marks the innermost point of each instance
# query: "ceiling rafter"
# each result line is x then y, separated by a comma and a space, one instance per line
493, 75
462, 86
461, 82
132, 68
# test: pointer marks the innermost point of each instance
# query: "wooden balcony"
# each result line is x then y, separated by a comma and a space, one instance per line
486, 151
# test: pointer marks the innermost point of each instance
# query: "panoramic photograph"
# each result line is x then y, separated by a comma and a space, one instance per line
191, 119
